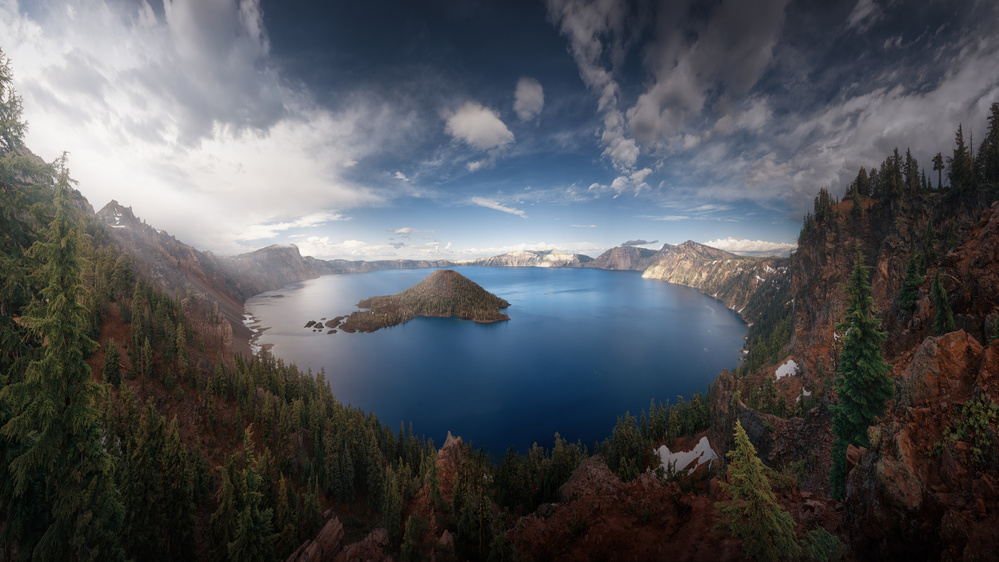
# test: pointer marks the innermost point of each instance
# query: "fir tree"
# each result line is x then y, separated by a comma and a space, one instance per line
178, 501
938, 167
52, 409
392, 506
312, 513
143, 487
111, 371
222, 525
910, 286
766, 530
944, 321
959, 166
864, 385
253, 539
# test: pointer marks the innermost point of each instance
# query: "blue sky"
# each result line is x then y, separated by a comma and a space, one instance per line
446, 129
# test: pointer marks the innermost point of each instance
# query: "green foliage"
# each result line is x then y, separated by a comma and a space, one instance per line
943, 322
626, 449
822, 546
753, 515
864, 386
910, 286
412, 550
392, 506
53, 422
111, 370
524, 482
978, 416
960, 167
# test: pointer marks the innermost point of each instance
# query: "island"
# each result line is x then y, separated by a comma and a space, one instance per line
444, 293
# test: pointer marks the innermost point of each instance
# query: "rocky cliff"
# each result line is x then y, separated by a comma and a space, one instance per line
744, 284
624, 258
531, 258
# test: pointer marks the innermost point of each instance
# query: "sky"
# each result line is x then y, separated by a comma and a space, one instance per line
462, 129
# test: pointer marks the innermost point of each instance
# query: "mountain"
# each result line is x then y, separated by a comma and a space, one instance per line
628, 258
530, 258
443, 293
743, 284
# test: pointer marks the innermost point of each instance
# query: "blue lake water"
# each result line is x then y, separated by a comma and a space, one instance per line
581, 347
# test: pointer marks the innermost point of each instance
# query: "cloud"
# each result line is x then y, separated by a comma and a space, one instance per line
634, 182
478, 126
583, 225
184, 116
491, 204
751, 247
529, 98
400, 176
639, 243
864, 14
596, 35
270, 230
703, 62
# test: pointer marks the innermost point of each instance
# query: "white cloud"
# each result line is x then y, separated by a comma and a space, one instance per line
478, 126
270, 230
185, 118
634, 182
400, 176
496, 206
529, 98
583, 225
756, 247
864, 14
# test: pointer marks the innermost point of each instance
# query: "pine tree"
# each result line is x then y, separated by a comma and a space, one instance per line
766, 530
222, 525
52, 409
864, 385
253, 539
178, 501
143, 487
312, 512
910, 286
988, 151
938, 167
929, 256
392, 506
959, 166
111, 371
944, 321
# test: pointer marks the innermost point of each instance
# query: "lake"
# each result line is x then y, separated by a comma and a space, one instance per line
582, 346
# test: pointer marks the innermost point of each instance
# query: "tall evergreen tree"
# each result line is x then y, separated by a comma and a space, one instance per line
766, 530
910, 286
959, 166
987, 159
944, 321
53, 415
178, 500
938, 167
864, 385
111, 370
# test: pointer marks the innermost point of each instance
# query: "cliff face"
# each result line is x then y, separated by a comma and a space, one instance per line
743, 284
531, 258
624, 258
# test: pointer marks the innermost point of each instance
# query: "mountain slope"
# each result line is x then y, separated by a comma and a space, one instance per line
624, 258
443, 293
743, 284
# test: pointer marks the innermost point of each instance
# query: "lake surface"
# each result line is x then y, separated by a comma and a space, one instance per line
581, 347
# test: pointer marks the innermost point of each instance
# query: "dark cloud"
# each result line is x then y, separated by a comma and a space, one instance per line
639, 242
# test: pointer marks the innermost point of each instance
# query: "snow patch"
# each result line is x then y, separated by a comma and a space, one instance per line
789, 368
804, 394
690, 460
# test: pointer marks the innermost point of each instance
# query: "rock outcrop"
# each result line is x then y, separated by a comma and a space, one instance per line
627, 258
745, 285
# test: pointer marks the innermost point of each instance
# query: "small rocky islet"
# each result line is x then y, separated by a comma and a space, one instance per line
444, 293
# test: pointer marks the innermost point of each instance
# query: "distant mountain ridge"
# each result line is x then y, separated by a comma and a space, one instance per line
741, 283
